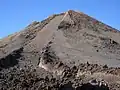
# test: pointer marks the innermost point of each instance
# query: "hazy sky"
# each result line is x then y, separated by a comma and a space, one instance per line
17, 14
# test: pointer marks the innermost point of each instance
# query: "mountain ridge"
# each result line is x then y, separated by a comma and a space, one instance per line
68, 45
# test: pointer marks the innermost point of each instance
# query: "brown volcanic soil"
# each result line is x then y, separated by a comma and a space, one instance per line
67, 51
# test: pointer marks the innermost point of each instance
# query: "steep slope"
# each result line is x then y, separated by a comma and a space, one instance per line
68, 45
79, 38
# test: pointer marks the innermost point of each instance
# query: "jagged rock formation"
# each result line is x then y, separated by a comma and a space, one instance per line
67, 51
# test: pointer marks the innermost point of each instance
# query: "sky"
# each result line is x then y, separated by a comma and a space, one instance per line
15, 15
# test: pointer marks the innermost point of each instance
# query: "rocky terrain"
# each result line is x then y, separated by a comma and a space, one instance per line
67, 51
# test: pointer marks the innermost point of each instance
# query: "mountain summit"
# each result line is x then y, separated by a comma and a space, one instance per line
70, 44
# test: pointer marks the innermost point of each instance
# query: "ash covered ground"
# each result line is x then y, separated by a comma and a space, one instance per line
67, 51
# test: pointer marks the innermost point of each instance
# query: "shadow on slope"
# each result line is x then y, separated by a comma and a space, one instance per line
87, 86
11, 59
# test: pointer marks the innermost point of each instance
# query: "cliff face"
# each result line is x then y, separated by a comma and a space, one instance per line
70, 44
